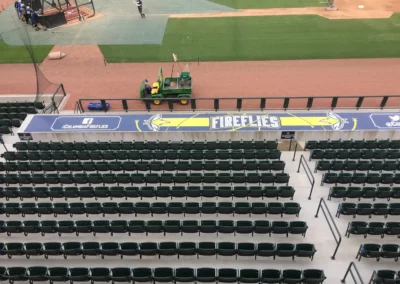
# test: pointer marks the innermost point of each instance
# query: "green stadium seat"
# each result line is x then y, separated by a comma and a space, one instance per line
49, 227
171, 226
369, 192
83, 226
71, 248
312, 276
369, 251
100, 274
109, 208
380, 209
36, 274
79, 274
390, 251
266, 250
52, 249
129, 249
346, 208
270, 276
291, 276
13, 249
246, 250
285, 250
15, 274
30, 227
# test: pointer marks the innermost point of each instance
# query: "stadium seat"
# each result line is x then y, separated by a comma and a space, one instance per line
285, 250
16, 274
36, 274
187, 249
291, 276
90, 248
246, 250
305, 250
346, 208
312, 276
79, 274
390, 251
100, 274
271, 276
369, 251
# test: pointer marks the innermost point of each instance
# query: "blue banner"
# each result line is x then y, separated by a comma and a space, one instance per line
306, 121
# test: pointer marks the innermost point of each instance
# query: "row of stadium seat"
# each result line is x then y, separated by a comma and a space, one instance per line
354, 154
166, 166
91, 208
149, 192
146, 145
26, 104
373, 228
385, 276
154, 226
15, 122
13, 115
354, 166
158, 249
360, 178
368, 209
6, 130
143, 155
18, 109
180, 178
161, 274
353, 144
377, 251
364, 192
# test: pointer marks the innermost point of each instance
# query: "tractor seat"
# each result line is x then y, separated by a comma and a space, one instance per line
167, 82
155, 89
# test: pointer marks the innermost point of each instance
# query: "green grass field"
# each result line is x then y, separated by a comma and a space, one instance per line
251, 38
19, 54
267, 4
266, 38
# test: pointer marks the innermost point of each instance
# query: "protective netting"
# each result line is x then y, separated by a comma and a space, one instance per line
19, 35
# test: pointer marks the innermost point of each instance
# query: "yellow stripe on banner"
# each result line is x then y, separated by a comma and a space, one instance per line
182, 122
308, 121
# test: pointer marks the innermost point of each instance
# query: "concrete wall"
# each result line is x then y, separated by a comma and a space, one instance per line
201, 136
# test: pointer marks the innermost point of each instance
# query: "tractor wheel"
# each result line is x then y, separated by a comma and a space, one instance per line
184, 101
157, 102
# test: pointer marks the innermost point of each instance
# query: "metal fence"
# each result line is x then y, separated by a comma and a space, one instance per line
245, 103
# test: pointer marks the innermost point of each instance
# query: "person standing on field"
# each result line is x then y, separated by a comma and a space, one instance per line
140, 8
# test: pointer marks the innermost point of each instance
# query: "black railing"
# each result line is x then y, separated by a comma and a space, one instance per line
372, 278
329, 219
295, 151
308, 172
352, 267
78, 108
253, 103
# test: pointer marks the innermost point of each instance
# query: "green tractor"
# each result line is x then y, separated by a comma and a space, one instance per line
170, 87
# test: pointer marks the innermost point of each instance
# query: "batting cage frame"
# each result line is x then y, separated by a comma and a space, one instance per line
62, 6
56, 13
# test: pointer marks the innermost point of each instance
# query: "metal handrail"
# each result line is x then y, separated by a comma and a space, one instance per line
261, 100
325, 210
352, 265
295, 151
308, 172
372, 277
78, 108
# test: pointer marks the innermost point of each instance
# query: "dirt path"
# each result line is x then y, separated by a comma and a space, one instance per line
347, 9
90, 78
343, 13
